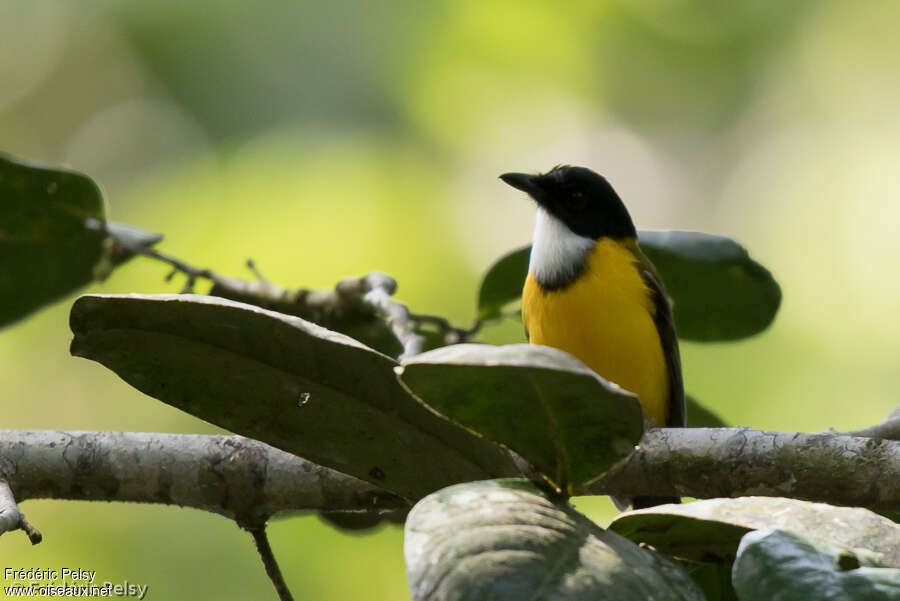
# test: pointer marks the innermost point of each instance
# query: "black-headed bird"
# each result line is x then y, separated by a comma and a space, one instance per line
592, 292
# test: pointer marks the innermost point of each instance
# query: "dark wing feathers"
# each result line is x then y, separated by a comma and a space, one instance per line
665, 325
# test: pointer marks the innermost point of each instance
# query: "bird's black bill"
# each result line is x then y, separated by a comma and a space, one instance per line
521, 181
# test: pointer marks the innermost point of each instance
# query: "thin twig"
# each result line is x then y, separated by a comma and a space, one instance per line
192, 273
370, 296
271, 565
12, 518
451, 334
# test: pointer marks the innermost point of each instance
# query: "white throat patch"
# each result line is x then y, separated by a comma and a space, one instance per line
557, 253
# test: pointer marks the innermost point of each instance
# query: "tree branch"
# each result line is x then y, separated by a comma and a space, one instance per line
236, 477
11, 518
249, 481
731, 462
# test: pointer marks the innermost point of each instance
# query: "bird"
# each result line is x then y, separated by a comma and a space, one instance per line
592, 292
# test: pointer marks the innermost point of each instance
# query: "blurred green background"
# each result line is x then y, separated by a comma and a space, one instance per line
329, 139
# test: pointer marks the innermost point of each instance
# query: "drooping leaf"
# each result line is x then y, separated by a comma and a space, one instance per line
506, 541
284, 381
720, 293
568, 422
776, 565
700, 416
712, 528
47, 250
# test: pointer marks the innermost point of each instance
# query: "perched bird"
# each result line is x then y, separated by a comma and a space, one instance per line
592, 292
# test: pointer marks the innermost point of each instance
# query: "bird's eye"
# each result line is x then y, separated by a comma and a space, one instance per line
577, 200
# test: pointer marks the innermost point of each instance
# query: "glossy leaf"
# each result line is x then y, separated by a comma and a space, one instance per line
284, 381
47, 249
704, 530
776, 565
507, 541
568, 422
720, 293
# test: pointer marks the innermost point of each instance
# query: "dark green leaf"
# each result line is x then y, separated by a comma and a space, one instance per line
720, 293
505, 540
568, 422
775, 565
47, 250
698, 416
284, 381
711, 529
503, 283
714, 579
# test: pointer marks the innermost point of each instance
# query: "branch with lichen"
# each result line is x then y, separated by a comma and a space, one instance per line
249, 481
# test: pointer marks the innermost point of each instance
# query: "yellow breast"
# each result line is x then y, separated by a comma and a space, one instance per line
605, 319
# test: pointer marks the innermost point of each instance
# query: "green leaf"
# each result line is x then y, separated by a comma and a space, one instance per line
47, 247
699, 416
719, 292
712, 529
284, 381
505, 540
503, 283
568, 422
714, 579
775, 565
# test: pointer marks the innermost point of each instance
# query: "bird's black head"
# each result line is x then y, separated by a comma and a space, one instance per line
578, 197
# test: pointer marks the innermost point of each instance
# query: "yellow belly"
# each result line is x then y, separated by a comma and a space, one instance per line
605, 319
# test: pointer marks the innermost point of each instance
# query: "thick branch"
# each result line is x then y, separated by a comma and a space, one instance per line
731, 462
249, 481
234, 476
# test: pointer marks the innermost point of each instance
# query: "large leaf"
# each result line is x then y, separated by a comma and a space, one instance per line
47, 247
505, 540
568, 422
284, 381
774, 565
720, 293
712, 529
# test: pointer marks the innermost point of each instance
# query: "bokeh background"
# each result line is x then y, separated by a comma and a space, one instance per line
327, 139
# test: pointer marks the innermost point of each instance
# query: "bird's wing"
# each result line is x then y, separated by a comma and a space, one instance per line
665, 326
